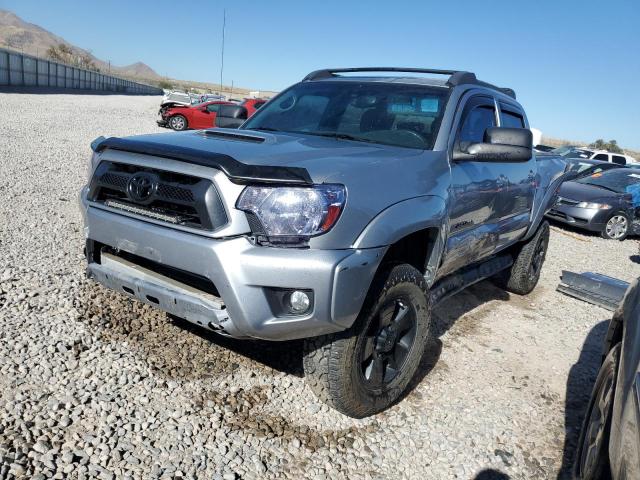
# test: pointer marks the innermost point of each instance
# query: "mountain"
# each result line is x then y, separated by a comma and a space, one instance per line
17, 34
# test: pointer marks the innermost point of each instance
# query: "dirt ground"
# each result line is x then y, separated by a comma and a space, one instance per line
93, 384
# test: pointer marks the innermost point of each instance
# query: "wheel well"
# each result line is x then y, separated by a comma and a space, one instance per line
414, 249
616, 335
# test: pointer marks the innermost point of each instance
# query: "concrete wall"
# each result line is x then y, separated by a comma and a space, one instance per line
19, 70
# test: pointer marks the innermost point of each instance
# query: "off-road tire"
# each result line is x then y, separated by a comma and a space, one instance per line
605, 385
522, 277
173, 123
607, 236
332, 362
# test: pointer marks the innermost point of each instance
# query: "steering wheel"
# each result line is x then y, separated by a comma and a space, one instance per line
412, 136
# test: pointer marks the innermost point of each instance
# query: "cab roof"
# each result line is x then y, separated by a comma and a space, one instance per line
454, 77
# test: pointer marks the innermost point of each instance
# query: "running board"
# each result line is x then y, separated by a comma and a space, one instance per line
593, 288
467, 276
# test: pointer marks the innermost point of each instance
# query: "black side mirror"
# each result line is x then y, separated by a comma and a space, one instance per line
500, 144
230, 116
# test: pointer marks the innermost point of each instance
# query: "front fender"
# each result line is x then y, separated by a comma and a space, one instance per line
402, 219
551, 173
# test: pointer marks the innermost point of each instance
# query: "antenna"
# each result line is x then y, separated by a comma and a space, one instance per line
224, 23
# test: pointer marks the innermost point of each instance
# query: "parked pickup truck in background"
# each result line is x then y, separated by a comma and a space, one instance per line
340, 213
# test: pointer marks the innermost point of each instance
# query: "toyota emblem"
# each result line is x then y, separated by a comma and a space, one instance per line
141, 187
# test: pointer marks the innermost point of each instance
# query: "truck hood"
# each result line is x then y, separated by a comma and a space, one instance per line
321, 157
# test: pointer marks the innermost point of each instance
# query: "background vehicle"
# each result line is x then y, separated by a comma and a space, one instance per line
609, 443
253, 104
201, 115
579, 168
543, 148
340, 213
602, 202
591, 154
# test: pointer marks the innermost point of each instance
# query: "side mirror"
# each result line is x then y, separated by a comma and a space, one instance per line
230, 116
500, 145
204, 110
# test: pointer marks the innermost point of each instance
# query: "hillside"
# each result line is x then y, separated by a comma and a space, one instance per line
17, 34
31, 39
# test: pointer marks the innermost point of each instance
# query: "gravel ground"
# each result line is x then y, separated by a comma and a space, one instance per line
94, 385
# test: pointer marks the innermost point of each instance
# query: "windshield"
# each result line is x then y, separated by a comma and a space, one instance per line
571, 152
617, 180
386, 113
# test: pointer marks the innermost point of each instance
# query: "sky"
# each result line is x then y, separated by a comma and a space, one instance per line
575, 65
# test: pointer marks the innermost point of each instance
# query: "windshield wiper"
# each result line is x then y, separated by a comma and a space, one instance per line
340, 136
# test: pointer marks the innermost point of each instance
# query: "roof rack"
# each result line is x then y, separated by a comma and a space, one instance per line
456, 77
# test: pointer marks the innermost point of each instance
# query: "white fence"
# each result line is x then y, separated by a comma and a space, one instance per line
20, 70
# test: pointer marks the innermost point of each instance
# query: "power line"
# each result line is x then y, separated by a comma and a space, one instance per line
224, 23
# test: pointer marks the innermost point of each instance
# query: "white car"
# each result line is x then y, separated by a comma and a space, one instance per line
592, 154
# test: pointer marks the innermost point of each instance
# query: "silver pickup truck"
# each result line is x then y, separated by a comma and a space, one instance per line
340, 213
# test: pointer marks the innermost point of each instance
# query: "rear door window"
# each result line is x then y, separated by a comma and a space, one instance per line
510, 118
619, 159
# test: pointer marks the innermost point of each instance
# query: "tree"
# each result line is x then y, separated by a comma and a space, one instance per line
165, 84
65, 54
610, 146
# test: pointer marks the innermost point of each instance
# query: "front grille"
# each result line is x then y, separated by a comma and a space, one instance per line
168, 197
175, 193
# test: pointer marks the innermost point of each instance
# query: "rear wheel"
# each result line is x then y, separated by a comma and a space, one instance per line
178, 122
363, 370
617, 227
592, 458
522, 277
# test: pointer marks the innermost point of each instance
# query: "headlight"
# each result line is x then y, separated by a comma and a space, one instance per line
599, 206
290, 215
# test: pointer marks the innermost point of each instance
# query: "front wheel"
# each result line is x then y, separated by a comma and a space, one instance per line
592, 457
363, 370
178, 122
617, 227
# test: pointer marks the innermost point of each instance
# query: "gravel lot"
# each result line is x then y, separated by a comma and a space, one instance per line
94, 385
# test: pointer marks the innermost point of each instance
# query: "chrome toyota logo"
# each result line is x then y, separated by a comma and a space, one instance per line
141, 187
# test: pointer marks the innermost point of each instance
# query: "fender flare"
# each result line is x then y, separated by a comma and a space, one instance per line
402, 219
546, 202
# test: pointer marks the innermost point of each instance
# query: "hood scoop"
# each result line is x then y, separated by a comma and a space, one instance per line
227, 135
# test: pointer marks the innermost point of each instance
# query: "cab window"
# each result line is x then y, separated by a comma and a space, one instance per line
478, 119
511, 119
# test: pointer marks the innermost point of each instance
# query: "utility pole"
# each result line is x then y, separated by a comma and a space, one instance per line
231, 94
224, 24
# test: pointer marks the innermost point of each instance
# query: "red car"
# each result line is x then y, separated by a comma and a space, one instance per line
182, 117
253, 104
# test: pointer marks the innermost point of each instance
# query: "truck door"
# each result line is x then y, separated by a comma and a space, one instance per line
522, 180
483, 216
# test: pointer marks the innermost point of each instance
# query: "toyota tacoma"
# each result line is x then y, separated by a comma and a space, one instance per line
340, 213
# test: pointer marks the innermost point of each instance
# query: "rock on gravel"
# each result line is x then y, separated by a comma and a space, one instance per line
94, 385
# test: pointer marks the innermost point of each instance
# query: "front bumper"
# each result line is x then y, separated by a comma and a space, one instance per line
588, 218
244, 276
161, 122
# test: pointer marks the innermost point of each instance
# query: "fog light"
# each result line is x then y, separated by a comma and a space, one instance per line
299, 302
